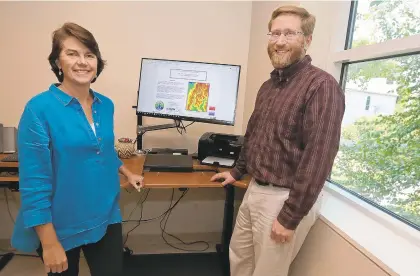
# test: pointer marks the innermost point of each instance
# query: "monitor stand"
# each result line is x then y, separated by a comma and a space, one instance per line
142, 129
165, 159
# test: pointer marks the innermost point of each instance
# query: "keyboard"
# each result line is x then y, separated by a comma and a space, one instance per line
13, 157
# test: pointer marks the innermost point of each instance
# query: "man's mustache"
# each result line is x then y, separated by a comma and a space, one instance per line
279, 49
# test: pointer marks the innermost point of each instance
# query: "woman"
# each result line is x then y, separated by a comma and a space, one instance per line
68, 167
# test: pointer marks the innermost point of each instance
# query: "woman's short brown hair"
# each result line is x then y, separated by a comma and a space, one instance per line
308, 20
81, 34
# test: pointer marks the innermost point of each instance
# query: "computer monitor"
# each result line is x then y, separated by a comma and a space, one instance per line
187, 90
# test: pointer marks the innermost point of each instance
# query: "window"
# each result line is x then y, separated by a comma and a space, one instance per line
378, 21
379, 156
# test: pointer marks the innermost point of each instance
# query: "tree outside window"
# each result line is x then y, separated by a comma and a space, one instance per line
379, 156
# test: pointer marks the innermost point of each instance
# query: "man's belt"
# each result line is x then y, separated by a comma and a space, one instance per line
262, 183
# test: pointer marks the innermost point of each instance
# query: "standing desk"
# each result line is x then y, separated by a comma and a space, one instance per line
11, 182
153, 180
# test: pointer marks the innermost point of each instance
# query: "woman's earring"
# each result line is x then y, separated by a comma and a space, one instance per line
60, 72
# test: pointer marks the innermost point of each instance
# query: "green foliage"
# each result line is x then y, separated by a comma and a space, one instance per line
362, 72
380, 156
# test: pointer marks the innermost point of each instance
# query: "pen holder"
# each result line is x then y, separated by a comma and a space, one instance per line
125, 148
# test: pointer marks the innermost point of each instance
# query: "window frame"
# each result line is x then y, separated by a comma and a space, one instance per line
378, 51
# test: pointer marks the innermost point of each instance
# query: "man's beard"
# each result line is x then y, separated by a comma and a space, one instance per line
283, 60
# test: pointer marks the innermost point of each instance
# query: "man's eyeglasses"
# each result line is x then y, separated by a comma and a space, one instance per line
289, 35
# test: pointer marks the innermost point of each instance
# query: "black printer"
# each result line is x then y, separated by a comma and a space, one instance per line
219, 149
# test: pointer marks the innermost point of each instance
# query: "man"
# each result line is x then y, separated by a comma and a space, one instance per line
290, 144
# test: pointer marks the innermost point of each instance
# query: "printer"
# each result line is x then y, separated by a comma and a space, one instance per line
219, 149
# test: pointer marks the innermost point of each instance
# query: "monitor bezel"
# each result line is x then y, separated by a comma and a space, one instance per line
188, 118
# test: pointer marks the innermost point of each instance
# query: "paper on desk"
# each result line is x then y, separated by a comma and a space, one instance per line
222, 161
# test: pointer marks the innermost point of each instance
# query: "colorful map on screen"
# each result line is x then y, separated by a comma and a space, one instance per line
198, 96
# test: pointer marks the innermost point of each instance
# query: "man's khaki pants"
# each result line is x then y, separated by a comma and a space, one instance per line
252, 251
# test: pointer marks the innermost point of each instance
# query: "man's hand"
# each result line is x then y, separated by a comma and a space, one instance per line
136, 181
225, 176
280, 234
55, 259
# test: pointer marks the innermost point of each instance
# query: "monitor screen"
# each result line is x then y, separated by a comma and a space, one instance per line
184, 90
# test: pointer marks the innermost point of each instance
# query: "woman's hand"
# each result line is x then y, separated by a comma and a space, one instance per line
135, 180
53, 254
55, 259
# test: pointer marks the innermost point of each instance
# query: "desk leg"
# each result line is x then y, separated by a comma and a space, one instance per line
5, 259
223, 248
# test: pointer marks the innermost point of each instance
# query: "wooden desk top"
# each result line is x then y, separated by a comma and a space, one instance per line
156, 179
7, 164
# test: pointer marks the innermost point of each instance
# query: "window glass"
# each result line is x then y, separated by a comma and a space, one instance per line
379, 155
379, 21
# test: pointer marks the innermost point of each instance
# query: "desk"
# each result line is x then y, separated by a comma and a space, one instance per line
11, 181
155, 180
